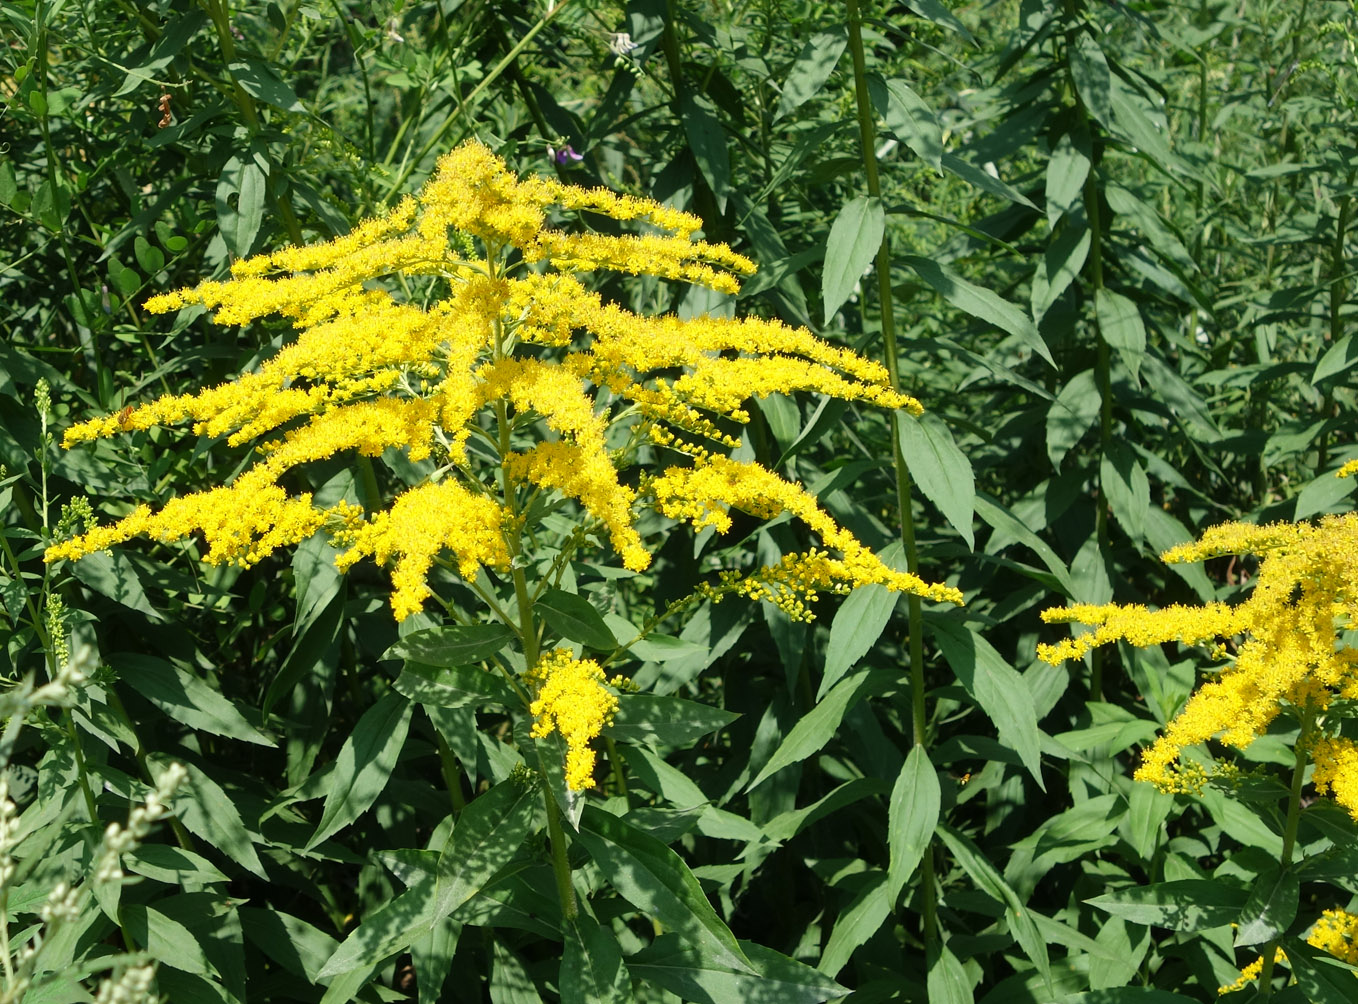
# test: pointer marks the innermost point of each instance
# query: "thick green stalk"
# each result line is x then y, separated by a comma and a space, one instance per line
914, 610
1289, 839
1338, 289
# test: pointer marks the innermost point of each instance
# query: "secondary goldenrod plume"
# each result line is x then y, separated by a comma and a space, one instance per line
1291, 649
455, 329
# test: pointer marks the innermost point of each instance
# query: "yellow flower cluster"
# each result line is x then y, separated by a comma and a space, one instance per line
1335, 932
460, 315
572, 700
1289, 648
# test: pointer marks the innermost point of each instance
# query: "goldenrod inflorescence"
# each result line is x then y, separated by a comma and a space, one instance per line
1290, 652
572, 700
560, 389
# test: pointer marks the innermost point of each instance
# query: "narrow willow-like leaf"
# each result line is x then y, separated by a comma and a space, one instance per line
454, 687
810, 70
818, 726
858, 623
1271, 908
1321, 977
979, 302
983, 873
854, 239
909, 118
1186, 905
995, 685
364, 764
573, 616
856, 924
656, 881
1067, 169
911, 818
591, 965
455, 645
1121, 327
940, 469
670, 721
186, 698
1126, 488
775, 978
207, 811
947, 981
707, 140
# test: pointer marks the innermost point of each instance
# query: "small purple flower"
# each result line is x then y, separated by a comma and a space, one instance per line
565, 155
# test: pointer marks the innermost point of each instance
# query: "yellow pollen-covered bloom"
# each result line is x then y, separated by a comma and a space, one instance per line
1289, 650
571, 699
457, 330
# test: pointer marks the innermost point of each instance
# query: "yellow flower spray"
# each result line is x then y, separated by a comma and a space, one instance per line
1286, 649
521, 386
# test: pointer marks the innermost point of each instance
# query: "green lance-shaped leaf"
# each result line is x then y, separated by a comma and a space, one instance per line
995, 685
207, 811
1093, 79
941, 470
818, 726
909, 118
364, 764
240, 223
1067, 169
656, 881
1271, 908
1071, 415
186, 698
1185, 905
811, 69
1121, 326
1323, 979
858, 623
947, 982
454, 687
591, 965
1126, 488
485, 838
1060, 264
911, 818
979, 302
574, 617
670, 721
707, 140
262, 82
855, 237
861, 919
775, 979
969, 857
456, 645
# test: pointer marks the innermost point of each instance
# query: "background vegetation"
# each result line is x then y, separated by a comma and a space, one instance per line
1116, 270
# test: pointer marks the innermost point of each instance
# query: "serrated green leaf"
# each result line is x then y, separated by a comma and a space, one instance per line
574, 617
858, 623
364, 764
1271, 908
1126, 488
591, 965
670, 721
455, 645
1067, 169
947, 981
859, 921
969, 857
165, 938
1121, 327
454, 687
911, 818
185, 698
707, 140
818, 726
996, 686
112, 574
941, 470
1186, 905
207, 811
811, 69
656, 881
909, 118
678, 968
979, 302
855, 237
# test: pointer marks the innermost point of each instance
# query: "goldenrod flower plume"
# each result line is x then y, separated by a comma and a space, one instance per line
457, 329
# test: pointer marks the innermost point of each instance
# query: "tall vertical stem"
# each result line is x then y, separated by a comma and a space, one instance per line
1289, 838
914, 612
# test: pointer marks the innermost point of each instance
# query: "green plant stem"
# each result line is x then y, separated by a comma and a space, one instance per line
1103, 379
1289, 838
449, 768
904, 500
1338, 289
